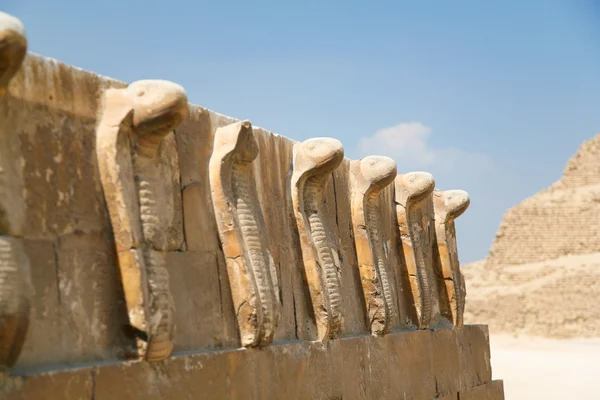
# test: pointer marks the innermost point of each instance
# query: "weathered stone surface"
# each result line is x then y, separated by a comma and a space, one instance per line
15, 294
415, 216
367, 178
139, 171
68, 385
493, 390
449, 205
355, 319
313, 162
79, 306
92, 326
199, 320
250, 266
529, 231
15, 282
13, 47
194, 139
413, 361
402, 365
13, 43
473, 356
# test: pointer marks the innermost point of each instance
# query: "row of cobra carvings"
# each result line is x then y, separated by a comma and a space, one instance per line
131, 127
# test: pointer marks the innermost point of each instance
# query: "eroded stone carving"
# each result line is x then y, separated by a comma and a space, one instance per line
449, 205
250, 267
15, 278
415, 221
368, 177
13, 48
313, 162
140, 178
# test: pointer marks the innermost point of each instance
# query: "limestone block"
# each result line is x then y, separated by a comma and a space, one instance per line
140, 178
493, 390
449, 205
91, 308
473, 356
446, 361
68, 385
194, 139
241, 226
43, 345
200, 317
415, 216
411, 365
272, 170
313, 162
368, 177
407, 365
353, 305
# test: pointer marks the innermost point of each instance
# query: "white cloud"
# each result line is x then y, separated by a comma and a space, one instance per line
410, 145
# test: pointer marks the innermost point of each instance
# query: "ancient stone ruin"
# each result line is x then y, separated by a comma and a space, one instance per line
150, 248
543, 272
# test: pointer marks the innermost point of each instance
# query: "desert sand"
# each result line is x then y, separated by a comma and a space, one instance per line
542, 368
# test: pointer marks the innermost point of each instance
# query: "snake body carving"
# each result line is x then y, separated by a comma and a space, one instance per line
15, 278
250, 267
412, 195
449, 205
369, 177
140, 180
313, 162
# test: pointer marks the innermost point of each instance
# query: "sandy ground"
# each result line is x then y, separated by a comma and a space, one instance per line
541, 368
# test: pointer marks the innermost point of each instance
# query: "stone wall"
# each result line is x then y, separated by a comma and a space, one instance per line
81, 337
557, 221
448, 364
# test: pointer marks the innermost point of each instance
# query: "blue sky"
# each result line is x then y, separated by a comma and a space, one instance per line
490, 97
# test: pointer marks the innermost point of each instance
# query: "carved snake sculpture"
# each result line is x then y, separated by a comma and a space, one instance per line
138, 188
15, 278
449, 205
313, 162
369, 177
411, 190
250, 267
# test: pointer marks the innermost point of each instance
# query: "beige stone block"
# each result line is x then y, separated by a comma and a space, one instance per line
475, 393
200, 225
194, 137
445, 361
480, 344
410, 362
291, 285
495, 390
91, 308
354, 367
43, 344
355, 321
473, 355
199, 314
67, 385
453, 396
378, 374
